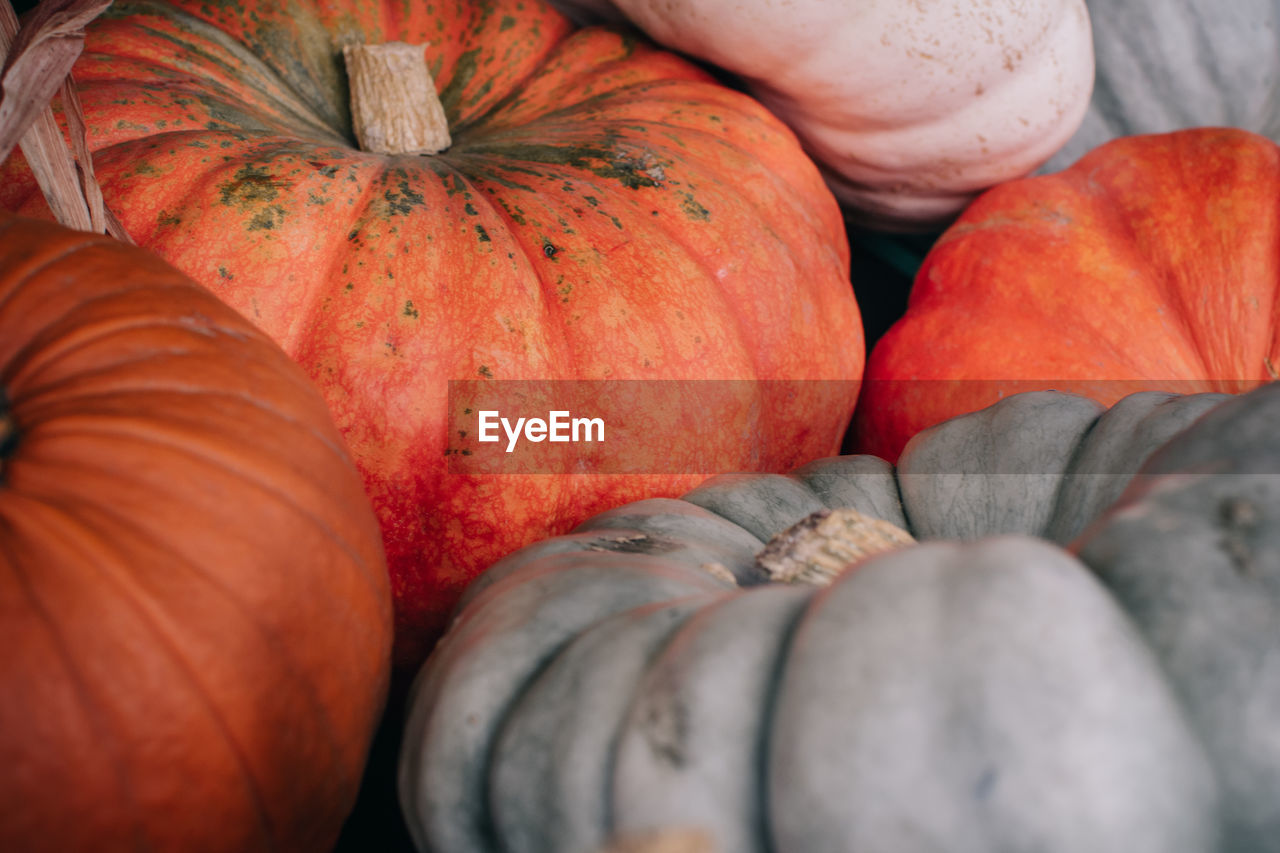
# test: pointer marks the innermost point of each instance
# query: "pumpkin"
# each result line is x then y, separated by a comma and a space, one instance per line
197, 621
910, 108
605, 211
1150, 264
1169, 66
1048, 668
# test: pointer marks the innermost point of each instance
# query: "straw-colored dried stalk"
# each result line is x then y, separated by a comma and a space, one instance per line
37, 58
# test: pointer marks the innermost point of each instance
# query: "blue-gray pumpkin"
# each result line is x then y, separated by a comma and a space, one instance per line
1163, 66
1081, 652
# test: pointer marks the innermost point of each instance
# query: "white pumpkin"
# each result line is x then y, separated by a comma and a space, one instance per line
911, 108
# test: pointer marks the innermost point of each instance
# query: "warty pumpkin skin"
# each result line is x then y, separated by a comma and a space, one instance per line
196, 615
912, 109
606, 211
1164, 66
1017, 680
1152, 263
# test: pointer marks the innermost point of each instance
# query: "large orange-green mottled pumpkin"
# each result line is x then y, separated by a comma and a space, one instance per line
1153, 263
606, 211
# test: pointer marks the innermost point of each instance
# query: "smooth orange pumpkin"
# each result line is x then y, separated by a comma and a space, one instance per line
606, 211
1153, 263
194, 612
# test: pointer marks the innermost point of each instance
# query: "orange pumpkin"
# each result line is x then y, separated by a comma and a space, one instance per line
1153, 263
194, 612
605, 211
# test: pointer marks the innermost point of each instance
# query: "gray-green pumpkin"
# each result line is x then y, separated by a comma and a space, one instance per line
1083, 653
1164, 65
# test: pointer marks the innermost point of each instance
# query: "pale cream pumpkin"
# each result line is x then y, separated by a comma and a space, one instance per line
910, 108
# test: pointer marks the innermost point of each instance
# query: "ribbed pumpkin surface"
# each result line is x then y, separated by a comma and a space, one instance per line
194, 611
1151, 264
606, 211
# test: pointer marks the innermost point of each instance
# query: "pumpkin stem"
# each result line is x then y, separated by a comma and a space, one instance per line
394, 104
818, 548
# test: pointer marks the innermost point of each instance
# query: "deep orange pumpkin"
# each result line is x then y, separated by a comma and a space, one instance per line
606, 211
194, 612
1153, 263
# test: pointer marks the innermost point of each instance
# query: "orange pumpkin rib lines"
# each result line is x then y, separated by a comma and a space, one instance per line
160, 629
1148, 265
227, 67
120, 523
43, 352
104, 743
288, 222
774, 210
23, 271
576, 344
182, 435
557, 347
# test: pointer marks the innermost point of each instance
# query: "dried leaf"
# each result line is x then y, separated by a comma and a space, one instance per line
100, 216
38, 56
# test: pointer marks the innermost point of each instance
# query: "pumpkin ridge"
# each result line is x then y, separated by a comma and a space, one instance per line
1204, 61
1071, 471
175, 559
472, 626
481, 120
247, 398
1235, 150
673, 236
282, 117
764, 799
103, 330
20, 277
672, 239
560, 67
34, 339
265, 160
89, 711
298, 338
494, 143
1111, 211
226, 112
492, 125
540, 23
939, 288
237, 50
549, 299
1171, 287
143, 605
548, 302
223, 462
570, 651
1271, 353
902, 503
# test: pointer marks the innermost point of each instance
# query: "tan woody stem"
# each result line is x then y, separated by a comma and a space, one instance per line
394, 104
816, 549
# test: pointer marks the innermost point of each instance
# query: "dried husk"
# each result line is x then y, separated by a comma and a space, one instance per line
38, 54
